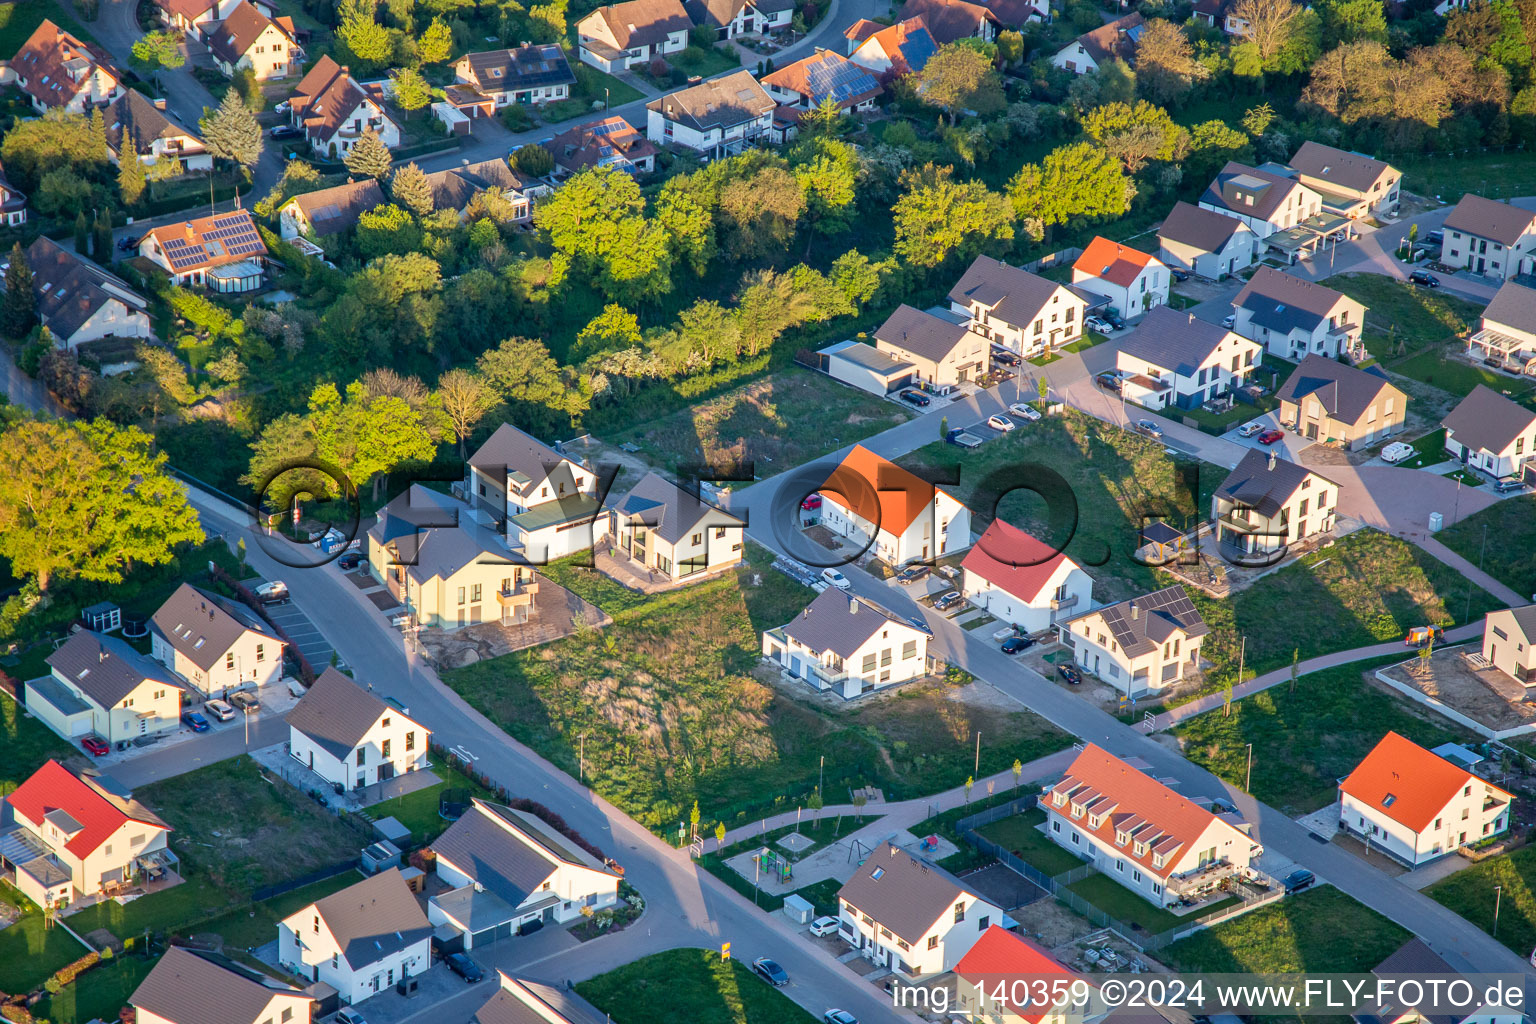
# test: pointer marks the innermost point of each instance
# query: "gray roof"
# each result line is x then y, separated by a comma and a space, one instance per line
668, 509
926, 335
1489, 218
70, 290
1264, 481
1354, 171
1345, 391
717, 103
142, 120
1206, 230
1525, 618
841, 623
1014, 296
432, 535
948, 20
336, 713
1175, 341
868, 357
1513, 306
901, 892
1280, 302
508, 852
57, 694
1415, 959
374, 918
527, 67
1236, 182
475, 911
1486, 419
511, 1005
524, 456
454, 188
1142, 623
191, 986
203, 626
333, 210
105, 668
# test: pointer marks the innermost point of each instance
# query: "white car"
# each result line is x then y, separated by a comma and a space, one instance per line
1249, 429
1028, 412
1228, 321
220, 710
1397, 451
824, 926
1095, 323
1002, 423
836, 579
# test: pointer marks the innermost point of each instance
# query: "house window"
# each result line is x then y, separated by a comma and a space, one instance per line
288, 1014
461, 595
909, 650
384, 748
261, 652
885, 657
696, 538
981, 923
1120, 865
1121, 838
410, 741
474, 593
933, 942
362, 756
1055, 826
959, 912
869, 663
719, 533
1135, 875
1076, 839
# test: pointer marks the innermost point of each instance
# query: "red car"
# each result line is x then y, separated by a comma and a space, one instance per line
812, 503
95, 746
1271, 436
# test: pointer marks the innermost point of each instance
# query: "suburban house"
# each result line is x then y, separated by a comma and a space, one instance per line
446, 564
673, 533
361, 940
527, 1002
1267, 503
1115, 40
1018, 14
505, 868
224, 252
1015, 309
611, 142
1509, 642
619, 36
890, 51
1159, 844
217, 645
824, 75
1351, 184
1293, 318
732, 18
68, 836
186, 15
1130, 279
1021, 580
866, 367
1490, 237
456, 187
1141, 645
551, 504
848, 645
1329, 401
1492, 434
330, 211
333, 110
949, 21
78, 301
1507, 336
185, 983
1176, 361
100, 685
139, 125
13, 203
996, 981
1414, 959
944, 353
897, 514
248, 38
716, 118
352, 739
911, 916
534, 74
1269, 204
1416, 806
1204, 242
59, 71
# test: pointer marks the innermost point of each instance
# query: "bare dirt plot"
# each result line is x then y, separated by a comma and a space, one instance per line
1487, 696
1004, 887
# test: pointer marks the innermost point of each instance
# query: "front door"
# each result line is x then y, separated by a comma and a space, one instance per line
386, 771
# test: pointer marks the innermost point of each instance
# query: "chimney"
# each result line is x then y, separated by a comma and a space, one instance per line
160, 103
853, 606
1135, 610
190, 232
1272, 458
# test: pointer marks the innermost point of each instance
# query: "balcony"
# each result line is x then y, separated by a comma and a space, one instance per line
1063, 603
518, 595
1233, 522
1201, 879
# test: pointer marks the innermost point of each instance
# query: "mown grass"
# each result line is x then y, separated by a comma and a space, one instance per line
99, 993
1510, 554
1470, 893
694, 985
29, 950
1494, 175
27, 743
19, 20
1021, 836
1122, 904
1401, 319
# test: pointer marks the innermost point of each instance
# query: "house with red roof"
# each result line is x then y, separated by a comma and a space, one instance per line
1157, 843
248, 38
890, 51
1000, 978
64, 837
1417, 806
898, 515
1022, 580
1132, 281
58, 70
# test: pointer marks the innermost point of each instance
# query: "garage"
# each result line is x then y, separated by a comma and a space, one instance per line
500, 931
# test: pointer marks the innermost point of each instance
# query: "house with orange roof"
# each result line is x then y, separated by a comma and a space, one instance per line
1132, 281
824, 75
1021, 580
224, 252
247, 38
1416, 806
64, 837
848, 645
890, 51
334, 110
1000, 978
1159, 844
59, 71
186, 15
897, 514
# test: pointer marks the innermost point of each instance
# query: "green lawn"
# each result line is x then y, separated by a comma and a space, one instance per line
1469, 892
27, 744
704, 62
99, 993
1433, 366
1430, 450
256, 925
1221, 422
693, 985
1304, 743
418, 811
1397, 312
19, 20
29, 951
592, 87
1021, 836
1494, 175
1320, 929
1510, 529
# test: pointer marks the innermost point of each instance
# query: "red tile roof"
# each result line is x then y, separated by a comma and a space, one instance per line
1013, 561
878, 490
892, 40
1407, 783
1000, 957
1113, 262
862, 30
54, 788
51, 59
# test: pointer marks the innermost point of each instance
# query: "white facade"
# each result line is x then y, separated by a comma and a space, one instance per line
1461, 821
393, 746
1149, 288
154, 707
895, 654
558, 509
254, 660
1299, 203
305, 942
1058, 321
942, 528
1068, 587
1074, 57
1336, 334
1235, 255
1227, 367
712, 142
937, 950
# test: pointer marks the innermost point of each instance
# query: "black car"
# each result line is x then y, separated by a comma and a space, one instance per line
128, 243
350, 560
1069, 673
1298, 880
1115, 320
529, 927
1435, 238
1424, 278
916, 398
1177, 274
1003, 356
1110, 381
464, 967
1016, 644
284, 131
770, 972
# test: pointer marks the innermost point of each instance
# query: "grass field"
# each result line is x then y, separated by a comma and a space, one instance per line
1494, 175
99, 993
19, 20
27, 744
693, 985
29, 950
1124, 905
1469, 892
1510, 555
1429, 450
1303, 743
1021, 836
672, 712
702, 61
1401, 319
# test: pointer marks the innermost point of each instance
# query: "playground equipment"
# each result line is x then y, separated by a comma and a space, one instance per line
774, 866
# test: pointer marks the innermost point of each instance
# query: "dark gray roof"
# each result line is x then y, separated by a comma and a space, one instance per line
1354, 171
668, 509
924, 334
717, 103
336, 713
1525, 618
841, 623
1345, 391
475, 911
1489, 218
1236, 182
1264, 481
1175, 341
1280, 302
1014, 296
203, 626
514, 1003
902, 893
1206, 230
454, 188
70, 290
373, 919
142, 120
518, 453
333, 210
1416, 960
1513, 306
105, 668
432, 535
191, 986
1486, 419
1142, 623
508, 852
948, 20
527, 67
57, 694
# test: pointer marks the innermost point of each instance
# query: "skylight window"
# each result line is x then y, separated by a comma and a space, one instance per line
877, 874
1391, 798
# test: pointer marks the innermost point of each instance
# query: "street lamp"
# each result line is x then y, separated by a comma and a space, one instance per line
1498, 891
1248, 778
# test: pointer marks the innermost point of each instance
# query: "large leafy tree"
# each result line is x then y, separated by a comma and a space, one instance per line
526, 378
56, 141
156, 50
1166, 68
465, 398
939, 218
959, 77
231, 131
1155, 135
597, 218
1076, 180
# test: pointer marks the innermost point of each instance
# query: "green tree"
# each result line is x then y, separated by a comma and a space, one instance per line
1352, 21
359, 31
959, 77
685, 210
19, 311
938, 218
410, 188
826, 118
156, 50
827, 171
1136, 132
82, 234
369, 157
465, 399
1256, 120
57, 140
231, 132
387, 229
719, 834
1166, 68
534, 160
597, 218
411, 90
435, 44
1076, 180
760, 213
613, 329
531, 383
130, 175
101, 238
1010, 46
60, 191
856, 277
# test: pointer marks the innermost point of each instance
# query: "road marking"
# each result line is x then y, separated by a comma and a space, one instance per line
462, 753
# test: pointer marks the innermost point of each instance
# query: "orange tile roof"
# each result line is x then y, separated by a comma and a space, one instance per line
878, 490
1407, 783
51, 58
1000, 957
862, 30
1116, 263
892, 40
1012, 560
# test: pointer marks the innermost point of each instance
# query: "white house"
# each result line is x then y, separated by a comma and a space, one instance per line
1174, 360
670, 532
1267, 502
1490, 237
910, 915
186, 982
1132, 281
531, 74
352, 739
732, 18
215, 644
1023, 581
716, 118
1204, 242
1141, 645
1507, 334
1157, 843
328, 211
1009, 979
942, 349
1351, 184
1509, 642
70, 836
506, 868
895, 50
848, 645
897, 514
1114, 40
1491, 434
1293, 318
58, 70
248, 38
1267, 203
810, 81
1015, 309
138, 125
360, 940
619, 36
13, 203
551, 505
223, 252
79, 301
100, 685
1417, 806
1414, 959
334, 111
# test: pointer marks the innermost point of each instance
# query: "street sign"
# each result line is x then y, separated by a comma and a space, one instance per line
725, 951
